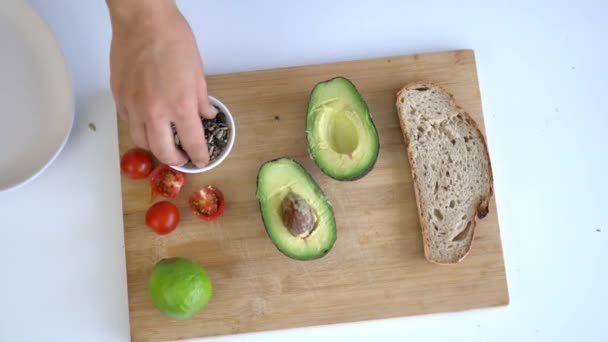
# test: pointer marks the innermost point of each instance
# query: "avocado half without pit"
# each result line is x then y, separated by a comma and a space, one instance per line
342, 138
296, 214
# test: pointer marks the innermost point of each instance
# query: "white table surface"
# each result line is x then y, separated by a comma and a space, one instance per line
543, 71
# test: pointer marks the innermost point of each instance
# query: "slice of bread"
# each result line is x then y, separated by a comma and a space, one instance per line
450, 166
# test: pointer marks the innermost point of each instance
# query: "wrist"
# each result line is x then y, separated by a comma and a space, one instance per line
132, 11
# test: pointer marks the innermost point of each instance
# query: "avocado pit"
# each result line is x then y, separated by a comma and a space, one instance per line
297, 215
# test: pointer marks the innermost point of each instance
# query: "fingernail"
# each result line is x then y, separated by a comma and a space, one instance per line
201, 164
213, 110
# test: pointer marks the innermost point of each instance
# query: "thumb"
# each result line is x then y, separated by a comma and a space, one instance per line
205, 109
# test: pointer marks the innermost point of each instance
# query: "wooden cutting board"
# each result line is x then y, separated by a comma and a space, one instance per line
377, 267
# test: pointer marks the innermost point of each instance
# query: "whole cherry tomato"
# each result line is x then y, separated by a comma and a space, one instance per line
207, 203
162, 217
136, 163
166, 181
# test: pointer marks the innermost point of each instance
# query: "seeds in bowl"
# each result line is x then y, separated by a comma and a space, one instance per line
217, 135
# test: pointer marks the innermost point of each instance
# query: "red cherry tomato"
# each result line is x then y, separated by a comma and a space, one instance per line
166, 181
162, 217
136, 163
207, 203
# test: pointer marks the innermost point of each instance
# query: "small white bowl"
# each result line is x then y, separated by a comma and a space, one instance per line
191, 168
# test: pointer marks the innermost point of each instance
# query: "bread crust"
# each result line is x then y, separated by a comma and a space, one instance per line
483, 208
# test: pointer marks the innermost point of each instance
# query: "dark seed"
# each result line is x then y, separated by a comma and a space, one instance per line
221, 144
221, 117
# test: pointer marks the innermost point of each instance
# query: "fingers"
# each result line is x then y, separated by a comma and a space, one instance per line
150, 127
192, 138
162, 143
153, 131
205, 109
138, 132
122, 113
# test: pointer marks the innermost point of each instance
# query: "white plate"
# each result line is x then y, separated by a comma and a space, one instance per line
36, 99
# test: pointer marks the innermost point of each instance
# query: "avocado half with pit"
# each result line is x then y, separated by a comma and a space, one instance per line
342, 138
298, 217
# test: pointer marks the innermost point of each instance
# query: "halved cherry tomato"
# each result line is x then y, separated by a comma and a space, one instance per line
166, 181
162, 217
136, 163
207, 203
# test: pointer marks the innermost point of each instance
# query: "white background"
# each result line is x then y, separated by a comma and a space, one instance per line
543, 72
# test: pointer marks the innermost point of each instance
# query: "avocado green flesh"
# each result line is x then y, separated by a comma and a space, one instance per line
342, 137
179, 288
275, 180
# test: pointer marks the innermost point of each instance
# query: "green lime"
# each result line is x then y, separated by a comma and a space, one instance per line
179, 287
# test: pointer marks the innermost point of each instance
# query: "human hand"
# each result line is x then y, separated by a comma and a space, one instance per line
157, 79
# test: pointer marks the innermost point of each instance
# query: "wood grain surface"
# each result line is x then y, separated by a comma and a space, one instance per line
377, 267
